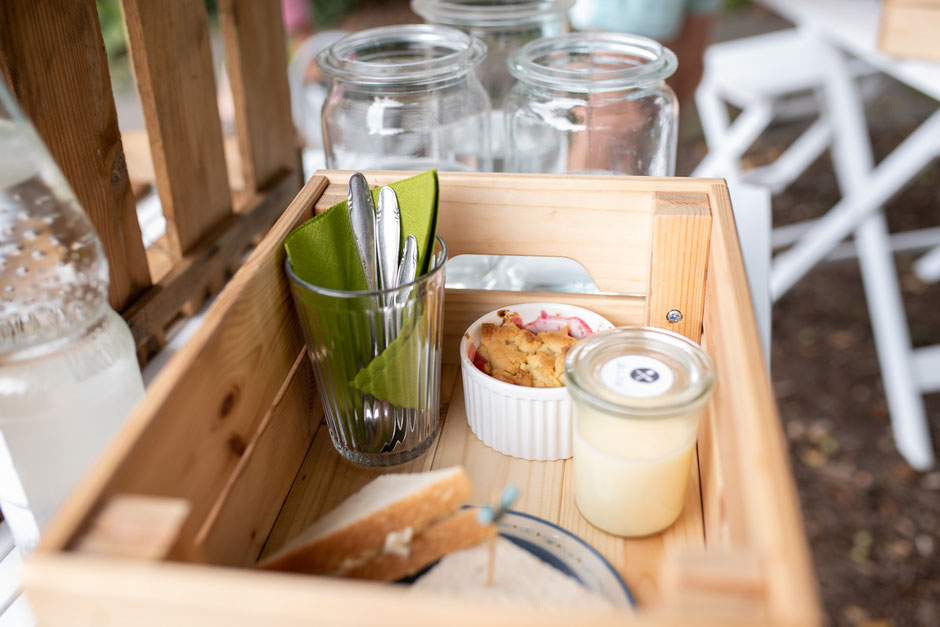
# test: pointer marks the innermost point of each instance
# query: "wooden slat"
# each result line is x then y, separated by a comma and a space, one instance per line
88, 591
169, 46
202, 270
202, 409
140, 161
52, 55
909, 29
758, 482
680, 235
130, 525
256, 55
238, 527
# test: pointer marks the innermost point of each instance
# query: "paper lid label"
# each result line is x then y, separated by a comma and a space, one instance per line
636, 376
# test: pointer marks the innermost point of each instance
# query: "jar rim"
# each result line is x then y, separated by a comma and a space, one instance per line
489, 14
459, 54
633, 60
587, 356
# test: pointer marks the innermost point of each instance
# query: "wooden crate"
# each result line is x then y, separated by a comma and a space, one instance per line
232, 432
909, 29
52, 55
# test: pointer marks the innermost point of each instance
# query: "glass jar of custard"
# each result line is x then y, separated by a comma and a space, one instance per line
639, 394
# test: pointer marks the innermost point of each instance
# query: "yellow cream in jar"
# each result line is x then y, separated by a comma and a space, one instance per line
638, 396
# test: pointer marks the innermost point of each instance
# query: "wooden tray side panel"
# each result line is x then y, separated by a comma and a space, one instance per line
750, 500
224, 381
245, 512
602, 223
80, 591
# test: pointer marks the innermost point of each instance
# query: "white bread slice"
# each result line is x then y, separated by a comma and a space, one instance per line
518, 578
360, 524
454, 533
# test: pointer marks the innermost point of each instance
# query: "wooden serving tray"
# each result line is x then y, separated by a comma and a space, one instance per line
228, 456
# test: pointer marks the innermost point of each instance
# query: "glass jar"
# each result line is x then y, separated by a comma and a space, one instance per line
592, 103
504, 27
639, 394
406, 98
68, 364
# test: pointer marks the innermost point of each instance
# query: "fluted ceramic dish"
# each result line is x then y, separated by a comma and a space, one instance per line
529, 423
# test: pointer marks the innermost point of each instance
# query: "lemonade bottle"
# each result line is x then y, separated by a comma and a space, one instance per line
68, 368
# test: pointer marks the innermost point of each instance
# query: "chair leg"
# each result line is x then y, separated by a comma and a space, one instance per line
853, 160
927, 268
795, 159
893, 342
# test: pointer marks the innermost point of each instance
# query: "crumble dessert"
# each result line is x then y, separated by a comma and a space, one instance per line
524, 355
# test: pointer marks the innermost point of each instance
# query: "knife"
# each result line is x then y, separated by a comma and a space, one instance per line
362, 222
409, 266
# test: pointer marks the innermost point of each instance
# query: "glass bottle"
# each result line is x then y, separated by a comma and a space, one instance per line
592, 103
405, 98
68, 366
504, 26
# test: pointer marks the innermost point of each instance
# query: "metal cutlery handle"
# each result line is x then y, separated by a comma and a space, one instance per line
362, 222
387, 236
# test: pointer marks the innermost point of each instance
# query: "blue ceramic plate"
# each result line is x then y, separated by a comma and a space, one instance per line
568, 553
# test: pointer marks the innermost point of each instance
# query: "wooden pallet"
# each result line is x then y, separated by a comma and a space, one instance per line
52, 55
230, 455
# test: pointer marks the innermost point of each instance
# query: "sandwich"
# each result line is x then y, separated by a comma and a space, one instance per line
392, 528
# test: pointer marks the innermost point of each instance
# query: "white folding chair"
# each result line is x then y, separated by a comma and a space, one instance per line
753, 74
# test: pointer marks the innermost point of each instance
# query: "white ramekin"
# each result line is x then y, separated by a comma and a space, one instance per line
531, 423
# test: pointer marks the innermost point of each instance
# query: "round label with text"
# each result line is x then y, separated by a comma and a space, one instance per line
638, 376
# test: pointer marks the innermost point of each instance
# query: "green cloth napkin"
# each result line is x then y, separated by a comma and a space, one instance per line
322, 252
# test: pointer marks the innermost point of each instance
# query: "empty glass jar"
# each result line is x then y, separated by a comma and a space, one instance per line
592, 103
406, 98
504, 26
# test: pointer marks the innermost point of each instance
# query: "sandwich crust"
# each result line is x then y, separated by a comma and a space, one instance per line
317, 552
455, 533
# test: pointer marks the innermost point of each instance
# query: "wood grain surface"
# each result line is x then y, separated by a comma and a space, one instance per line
256, 57
169, 47
681, 231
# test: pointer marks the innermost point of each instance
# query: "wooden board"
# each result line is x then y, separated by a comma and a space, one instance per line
607, 229
757, 490
909, 29
169, 46
256, 55
681, 231
52, 55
